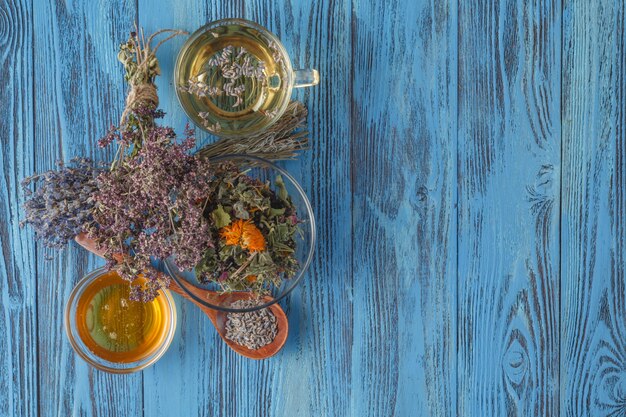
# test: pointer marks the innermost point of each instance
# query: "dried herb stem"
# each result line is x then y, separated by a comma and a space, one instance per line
282, 140
141, 68
243, 265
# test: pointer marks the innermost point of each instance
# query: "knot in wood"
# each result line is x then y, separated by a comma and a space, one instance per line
422, 194
515, 362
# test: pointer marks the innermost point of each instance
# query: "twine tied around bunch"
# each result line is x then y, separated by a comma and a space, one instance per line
140, 95
141, 65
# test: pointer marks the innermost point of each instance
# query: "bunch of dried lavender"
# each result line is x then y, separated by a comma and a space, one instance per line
253, 329
282, 140
62, 203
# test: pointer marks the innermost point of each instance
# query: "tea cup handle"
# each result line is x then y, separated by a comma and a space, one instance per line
305, 78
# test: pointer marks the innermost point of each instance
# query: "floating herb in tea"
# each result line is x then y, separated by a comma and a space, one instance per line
232, 77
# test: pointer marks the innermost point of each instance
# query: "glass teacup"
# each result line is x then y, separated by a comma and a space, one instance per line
234, 78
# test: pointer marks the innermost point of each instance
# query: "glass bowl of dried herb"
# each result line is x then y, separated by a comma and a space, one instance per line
262, 236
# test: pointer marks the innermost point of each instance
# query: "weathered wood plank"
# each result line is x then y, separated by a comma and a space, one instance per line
403, 142
508, 241
18, 292
314, 376
373, 327
593, 298
79, 93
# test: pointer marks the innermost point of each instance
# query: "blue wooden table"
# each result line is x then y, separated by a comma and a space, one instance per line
468, 173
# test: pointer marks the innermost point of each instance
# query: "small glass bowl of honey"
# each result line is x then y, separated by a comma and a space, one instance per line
113, 333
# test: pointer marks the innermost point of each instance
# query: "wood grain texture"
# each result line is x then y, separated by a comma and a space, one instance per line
593, 334
18, 306
77, 85
471, 212
508, 236
403, 144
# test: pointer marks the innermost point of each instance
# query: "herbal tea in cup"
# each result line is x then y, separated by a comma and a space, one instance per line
234, 78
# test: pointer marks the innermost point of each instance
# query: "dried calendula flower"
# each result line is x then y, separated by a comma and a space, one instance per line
244, 234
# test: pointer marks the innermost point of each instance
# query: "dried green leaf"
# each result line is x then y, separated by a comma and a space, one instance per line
240, 211
282, 190
273, 212
220, 217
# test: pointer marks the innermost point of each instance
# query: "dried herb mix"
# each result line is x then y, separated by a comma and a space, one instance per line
253, 329
253, 229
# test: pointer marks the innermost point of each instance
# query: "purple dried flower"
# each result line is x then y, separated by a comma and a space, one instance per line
61, 207
111, 135
152, 205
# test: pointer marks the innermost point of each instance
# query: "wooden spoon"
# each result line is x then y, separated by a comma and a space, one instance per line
218, 318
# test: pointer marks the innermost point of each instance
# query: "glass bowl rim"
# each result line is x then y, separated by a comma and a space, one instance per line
243, 22
92, 359
293, 281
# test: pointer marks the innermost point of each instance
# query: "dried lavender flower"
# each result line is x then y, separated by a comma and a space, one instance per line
61, 205
199, 88
214, 128
253, 329
277, 55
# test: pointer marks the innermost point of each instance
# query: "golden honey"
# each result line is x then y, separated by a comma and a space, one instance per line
117, 329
